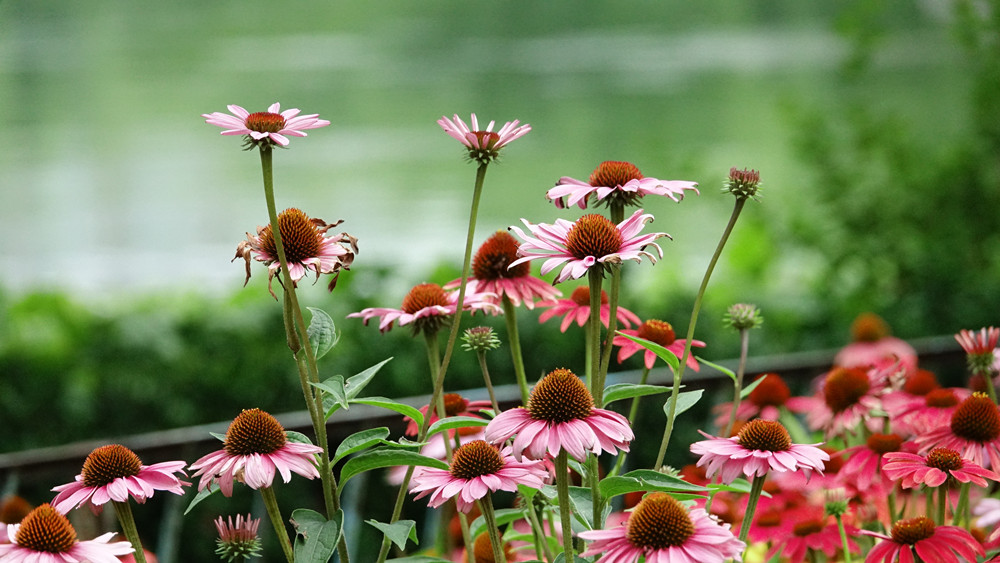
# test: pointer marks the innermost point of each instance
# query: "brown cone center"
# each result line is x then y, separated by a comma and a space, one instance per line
593, 235
976, 419
921, 382
265, 122
912, 530
45, 529
454, 404
299, 237
884, 443
940, 398
475, 459
844, 387
560, 397
254, 432
581, 296
423, 296
807, 528
613, 173
107, 463
495, 255
657, 331
944, 459
773, 391
764, 435
659, 522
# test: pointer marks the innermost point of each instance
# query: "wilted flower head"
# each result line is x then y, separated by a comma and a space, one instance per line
742, 316
615, 182
238, 540
743, 183
265, 128
483, 144
307, 248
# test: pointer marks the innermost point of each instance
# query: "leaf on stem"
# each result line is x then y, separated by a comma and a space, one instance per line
685, 401
202, 495
398, 532
356, 383
322, 332
360, 441
620, 391
315, 537
504, 516
385, 457
455, 422
660, 351
335, 396
385, 403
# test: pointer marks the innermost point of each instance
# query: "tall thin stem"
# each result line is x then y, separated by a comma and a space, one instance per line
510, 319
274, 513
613, 292
124, 512
481, 356
562, 489
594, 278
755, 489
489, 516
679, 374
738, 384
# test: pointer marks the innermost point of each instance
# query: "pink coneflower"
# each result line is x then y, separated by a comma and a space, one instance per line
940, 544
873, 346
864, 465
46, 536
491, 274
591, 241
934, 469
427, 307
454, 405
920, 414
974, 432
846, 399
265, 127
987, 512
483, 144
661, 530
764, 401
979, 348
560, 415
477, 468
307, 248
760, 446
436, 448
115, 473
808, 528
238, 540
577, 308
256, 447
615, 181
659, 332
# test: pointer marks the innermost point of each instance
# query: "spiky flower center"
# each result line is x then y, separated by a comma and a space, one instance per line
581, 296
487, 139
107, 463
494, 257
454, 404
743, 183
659, 332
808, 528
13, 509
299, 237
743, 316
482, 550
844, 387
659, 522
884, 443
613, 173
976, 419
254, 432
869, 327
764, 435
475, 459
423, 296
944, 459
771, 392
912, 530
265, 122
560, 397
45, 529
941, 398
921, 382
593, 235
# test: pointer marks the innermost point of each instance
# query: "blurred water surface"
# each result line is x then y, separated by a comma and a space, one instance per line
113, 184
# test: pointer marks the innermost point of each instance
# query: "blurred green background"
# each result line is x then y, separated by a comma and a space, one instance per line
875, 126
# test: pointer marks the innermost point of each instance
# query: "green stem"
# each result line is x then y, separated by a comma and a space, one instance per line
510, 318
616, 282
755, 489
562, 489
678, 375
594, 279
316, 411
738, 383
489, 516
597, 503
274, 513
942, 503
633, 413
466, 266
481, 356
961, 517
843, 539
541, 540
124, 511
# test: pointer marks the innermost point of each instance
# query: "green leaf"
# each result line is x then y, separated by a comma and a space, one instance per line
582, 500
737, 486
360, 441
399, 531
561, 558
685, 401
220, 437
334, 389
717, 367
443, 424
202, 495
418, 559
356, 383
620, 391
315, 537
383, 402
656, 481
386, 457
749, 388
504, 516
297, 437
322, 332
660, 351
619, 485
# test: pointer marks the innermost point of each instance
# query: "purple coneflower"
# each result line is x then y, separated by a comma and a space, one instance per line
941, 544
483, 144
427, 307
760, 446
660, 332
934, 469
46, 536
615, 181
492, 274
265, 127
577, 308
